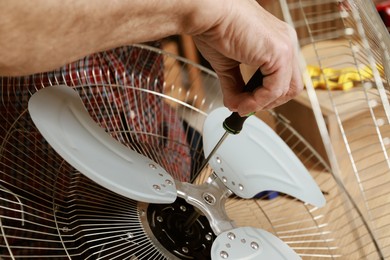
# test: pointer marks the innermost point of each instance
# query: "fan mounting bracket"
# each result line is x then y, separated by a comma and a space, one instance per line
209, 198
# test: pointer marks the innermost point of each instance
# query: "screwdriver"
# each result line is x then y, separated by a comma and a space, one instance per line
234, 123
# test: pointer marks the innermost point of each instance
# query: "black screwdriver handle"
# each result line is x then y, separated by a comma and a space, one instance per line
233, 124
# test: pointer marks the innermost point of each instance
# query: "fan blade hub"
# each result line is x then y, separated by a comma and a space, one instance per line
209, 198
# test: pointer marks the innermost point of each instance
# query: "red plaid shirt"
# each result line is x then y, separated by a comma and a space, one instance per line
120, 89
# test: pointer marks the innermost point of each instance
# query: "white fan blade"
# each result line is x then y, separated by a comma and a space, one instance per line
62, 119
257, 160
246, 243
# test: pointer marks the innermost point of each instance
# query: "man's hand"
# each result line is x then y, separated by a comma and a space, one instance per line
248, 34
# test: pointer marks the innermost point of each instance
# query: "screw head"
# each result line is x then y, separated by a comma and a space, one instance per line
224, 254
231, 236
219, 161
254, 245
209, 198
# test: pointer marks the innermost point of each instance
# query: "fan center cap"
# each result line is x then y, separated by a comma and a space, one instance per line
180, 229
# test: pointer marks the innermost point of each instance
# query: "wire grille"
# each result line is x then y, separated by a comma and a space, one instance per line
49, 210
350, 35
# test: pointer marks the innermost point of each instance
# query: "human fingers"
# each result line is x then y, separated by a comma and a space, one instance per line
257, 39
282, 76
296, 84
296, 87
276, 88
268, 97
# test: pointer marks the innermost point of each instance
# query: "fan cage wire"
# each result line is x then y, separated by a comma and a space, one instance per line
335, 231
68, 216
48, 209
349, 34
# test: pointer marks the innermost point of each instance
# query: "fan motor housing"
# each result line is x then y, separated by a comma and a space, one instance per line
179, 228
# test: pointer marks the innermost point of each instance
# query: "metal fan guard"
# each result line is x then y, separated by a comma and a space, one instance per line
49, 210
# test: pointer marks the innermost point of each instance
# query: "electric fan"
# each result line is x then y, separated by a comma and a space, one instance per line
95, 166
60, 199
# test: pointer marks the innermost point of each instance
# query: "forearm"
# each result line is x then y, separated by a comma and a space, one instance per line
43, 35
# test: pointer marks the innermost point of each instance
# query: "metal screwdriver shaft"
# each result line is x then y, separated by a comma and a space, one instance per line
234, 123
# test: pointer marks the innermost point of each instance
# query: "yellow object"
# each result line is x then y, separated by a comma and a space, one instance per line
343, 79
